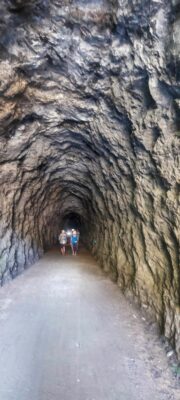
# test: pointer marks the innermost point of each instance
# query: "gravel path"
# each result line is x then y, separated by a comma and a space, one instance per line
67, 333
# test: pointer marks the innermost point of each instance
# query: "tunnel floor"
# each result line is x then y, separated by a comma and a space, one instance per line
67, 333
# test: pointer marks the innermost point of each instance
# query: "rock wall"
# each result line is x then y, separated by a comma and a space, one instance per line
89, 124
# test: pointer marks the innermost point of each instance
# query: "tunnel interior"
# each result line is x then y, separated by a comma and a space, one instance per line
89, 138
72, 221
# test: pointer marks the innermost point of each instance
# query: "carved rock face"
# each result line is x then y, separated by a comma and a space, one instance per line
90, 129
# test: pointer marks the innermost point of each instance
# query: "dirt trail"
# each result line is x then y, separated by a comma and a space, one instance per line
67, 333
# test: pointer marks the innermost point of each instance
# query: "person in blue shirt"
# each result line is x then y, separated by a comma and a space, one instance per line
74, 242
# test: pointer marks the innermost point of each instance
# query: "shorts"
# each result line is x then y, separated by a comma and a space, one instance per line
75, 247
62, 245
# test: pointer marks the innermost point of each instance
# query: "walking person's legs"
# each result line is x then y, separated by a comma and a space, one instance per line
61, 247
75, 249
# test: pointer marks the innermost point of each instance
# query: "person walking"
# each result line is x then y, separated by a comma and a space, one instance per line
74, 242
63, 242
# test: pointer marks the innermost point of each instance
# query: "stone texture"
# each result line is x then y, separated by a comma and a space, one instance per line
89, 113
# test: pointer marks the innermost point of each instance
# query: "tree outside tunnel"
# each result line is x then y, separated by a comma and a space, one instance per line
89, 135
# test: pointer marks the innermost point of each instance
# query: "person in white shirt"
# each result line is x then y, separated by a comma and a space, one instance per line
63, 242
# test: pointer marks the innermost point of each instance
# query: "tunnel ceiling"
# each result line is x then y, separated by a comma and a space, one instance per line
89, 125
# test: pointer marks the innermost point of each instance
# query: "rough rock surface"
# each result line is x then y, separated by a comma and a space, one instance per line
89, 125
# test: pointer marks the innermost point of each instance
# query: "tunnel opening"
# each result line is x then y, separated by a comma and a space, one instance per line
72, 221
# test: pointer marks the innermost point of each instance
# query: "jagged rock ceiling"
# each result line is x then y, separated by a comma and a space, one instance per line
90, 126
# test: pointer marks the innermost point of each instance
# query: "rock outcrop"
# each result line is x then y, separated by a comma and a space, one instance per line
89, 125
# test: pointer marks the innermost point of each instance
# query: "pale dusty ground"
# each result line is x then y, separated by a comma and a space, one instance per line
67, 333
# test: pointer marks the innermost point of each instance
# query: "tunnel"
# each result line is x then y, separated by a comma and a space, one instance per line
89, 138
